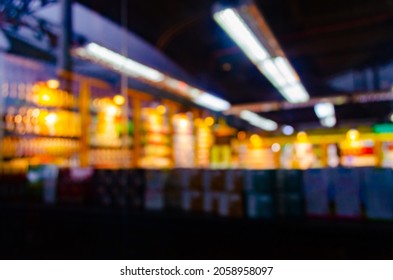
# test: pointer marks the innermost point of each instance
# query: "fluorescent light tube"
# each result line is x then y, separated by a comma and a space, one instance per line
294, 93
324, 110
269, 69
118, 62
268, 60
212, 102
238, 30
288, 130
328, 121
258, 121
286, 70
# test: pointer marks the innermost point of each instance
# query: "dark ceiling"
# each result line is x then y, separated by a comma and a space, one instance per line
322, 39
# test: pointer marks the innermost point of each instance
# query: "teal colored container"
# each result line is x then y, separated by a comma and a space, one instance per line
260, 181
290, 204
260, 206
289, 180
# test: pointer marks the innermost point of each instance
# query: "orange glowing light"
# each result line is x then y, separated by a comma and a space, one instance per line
353, 135
198, 122
161, 109
53, 84
45, 97
35, 113
51, 119
256, 140
302, 137
209, 121
119, 100
241, 135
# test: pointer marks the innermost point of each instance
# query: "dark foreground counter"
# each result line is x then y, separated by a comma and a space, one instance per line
35, 231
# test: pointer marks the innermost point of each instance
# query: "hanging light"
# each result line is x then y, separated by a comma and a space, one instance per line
248, 29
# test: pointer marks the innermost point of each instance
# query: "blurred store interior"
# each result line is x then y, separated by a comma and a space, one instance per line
232, 129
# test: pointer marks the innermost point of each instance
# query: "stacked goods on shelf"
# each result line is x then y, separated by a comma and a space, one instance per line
259, 193
183, 141
221, 151
40, 146
387, 154
333, 158
110, 133
121, 188
240, 150
154, 194
73, 185
356, 152
304, 155
316, 192
259, 155
289, 195
40, 123
378, 193
110, 158
346, 190
204, 140
156, 142
359, 153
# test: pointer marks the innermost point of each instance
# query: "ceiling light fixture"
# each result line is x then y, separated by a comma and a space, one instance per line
324, 109
258, 121
287, 130
247, 27
326, 114
112, 60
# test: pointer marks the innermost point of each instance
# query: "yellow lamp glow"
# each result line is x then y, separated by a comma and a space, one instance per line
209, 121
119, 100
45, 97
183, 123
256, 141
302, 137
53, 84
353, 135
161, 109
198, 122
51, 119
241, 135
111, 110
276, 147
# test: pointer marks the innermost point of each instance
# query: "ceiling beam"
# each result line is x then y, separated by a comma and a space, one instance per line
263, 107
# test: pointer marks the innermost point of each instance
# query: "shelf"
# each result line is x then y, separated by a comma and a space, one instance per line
32, 135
